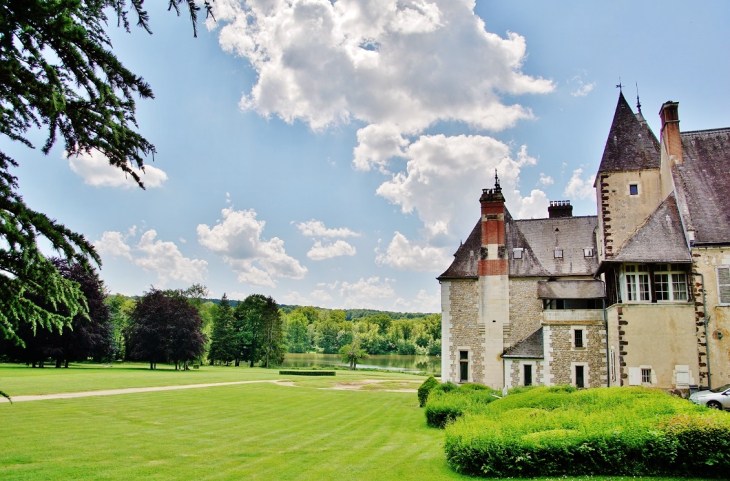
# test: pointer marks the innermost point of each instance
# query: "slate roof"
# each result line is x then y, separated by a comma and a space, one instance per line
571, 290
703, 182
465, 263
660, 238
529, 348
540, 237
631, 145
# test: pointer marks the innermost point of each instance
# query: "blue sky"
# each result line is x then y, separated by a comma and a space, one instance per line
331, 153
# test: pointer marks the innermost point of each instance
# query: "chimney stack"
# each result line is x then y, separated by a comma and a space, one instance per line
670, 140
560, 208
492, 255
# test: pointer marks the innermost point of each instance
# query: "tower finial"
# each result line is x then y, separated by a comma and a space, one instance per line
638, 104
619, 86
497, 187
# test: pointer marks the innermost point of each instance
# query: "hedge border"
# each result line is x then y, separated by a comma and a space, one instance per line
307, 373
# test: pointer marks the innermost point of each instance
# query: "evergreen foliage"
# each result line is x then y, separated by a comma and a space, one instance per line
222, 343
425, 389
58, 72
259, 331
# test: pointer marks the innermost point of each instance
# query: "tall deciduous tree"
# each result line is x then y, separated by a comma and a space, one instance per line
260, 333
165, 327
58, 72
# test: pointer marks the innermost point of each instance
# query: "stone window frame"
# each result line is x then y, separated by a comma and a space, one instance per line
722, 286
470, 364
586, 374
533, 364
573, 347
638, 189
652, 375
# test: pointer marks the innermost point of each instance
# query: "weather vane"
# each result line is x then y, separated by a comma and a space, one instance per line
619, 86
638, 104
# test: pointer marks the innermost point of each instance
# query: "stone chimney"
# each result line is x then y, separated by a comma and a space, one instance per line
492, 256
670, 139
560, 208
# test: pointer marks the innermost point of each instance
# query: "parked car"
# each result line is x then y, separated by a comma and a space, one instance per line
718, 398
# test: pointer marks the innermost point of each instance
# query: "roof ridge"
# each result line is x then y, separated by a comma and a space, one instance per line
705, 131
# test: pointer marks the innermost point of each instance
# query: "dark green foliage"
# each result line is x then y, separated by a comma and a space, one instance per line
222, 342
307, 373
58, 72
425, 389
447, 386
165, 327
259, 333
609, 431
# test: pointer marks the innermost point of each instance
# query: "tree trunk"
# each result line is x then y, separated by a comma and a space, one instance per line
58, 363
152, 365
66, 365
238, 362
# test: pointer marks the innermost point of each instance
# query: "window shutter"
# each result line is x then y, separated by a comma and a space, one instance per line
682, 375
634, 376
723, 284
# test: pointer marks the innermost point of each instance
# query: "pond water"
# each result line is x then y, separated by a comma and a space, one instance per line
392, 362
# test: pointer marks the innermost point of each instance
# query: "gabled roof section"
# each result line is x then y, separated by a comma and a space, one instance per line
703, 180
465, 264
541, 237
631, 144
660, 238
529, 348
570, 290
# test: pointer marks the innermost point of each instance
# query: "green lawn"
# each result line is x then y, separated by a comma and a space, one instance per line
251, 431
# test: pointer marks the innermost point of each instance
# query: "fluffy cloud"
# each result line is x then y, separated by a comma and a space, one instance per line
579, 188
408, 63
364, 292
340, 248
321, 296
406, 255
294, 298
94, 168
316, 228
546, 179
581, 88
421, 303
237, 238
163, 258
535, 206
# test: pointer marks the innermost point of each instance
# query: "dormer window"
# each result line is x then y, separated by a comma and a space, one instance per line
588, 252
558, 253
517, 252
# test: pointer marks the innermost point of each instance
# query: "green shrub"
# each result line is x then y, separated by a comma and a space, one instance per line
444, 407
611, 431
447, 387
425, 389
472, 386
307, 373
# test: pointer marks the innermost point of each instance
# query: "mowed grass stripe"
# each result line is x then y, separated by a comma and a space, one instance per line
251, 431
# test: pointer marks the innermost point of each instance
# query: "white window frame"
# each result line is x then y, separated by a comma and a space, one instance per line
723, 285
633, 276
558, 253
588, 252
586, 374
517, 252
672, 271
585, 337
533, 366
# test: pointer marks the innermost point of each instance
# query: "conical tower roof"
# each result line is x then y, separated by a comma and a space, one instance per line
631, 144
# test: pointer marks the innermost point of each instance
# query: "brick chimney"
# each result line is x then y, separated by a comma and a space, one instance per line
493, 256
670, 139
560, 208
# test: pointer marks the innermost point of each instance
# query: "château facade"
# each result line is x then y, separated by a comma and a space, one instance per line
638, 294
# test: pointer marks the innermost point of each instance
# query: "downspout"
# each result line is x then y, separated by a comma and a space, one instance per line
707, 339
608, 353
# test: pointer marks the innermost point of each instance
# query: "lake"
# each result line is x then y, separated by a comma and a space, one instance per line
392, 362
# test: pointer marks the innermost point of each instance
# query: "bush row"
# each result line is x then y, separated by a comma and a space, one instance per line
610, 431
308, 373
446, 402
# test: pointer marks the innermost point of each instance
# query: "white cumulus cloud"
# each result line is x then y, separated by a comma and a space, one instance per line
160, 257
406, 255
339, 248
546, 179
94, 168
321, 296
238, 239
580, 188
365, 292
316, 228
421, 303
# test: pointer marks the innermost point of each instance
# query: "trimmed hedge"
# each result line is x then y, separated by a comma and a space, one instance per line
606, 431
424, 390
308, 373
449, 401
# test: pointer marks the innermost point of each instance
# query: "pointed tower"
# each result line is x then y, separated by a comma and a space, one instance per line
628, 186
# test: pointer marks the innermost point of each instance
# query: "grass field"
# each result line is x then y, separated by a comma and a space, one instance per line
252, 431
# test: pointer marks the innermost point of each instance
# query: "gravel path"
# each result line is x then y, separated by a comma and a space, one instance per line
111, 392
